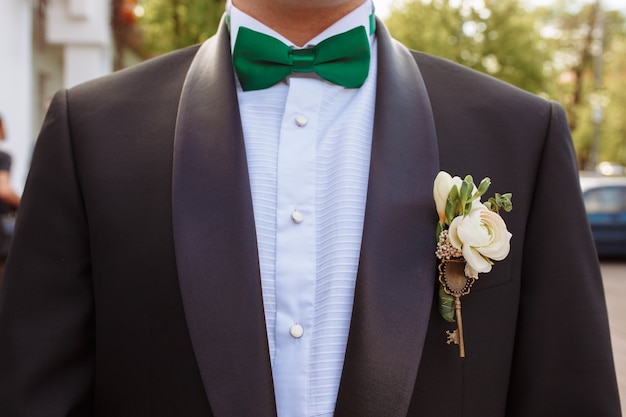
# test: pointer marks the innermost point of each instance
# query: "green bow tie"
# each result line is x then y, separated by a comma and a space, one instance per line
262, 61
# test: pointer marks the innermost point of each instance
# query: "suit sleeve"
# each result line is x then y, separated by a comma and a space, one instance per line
563, 365
46, 298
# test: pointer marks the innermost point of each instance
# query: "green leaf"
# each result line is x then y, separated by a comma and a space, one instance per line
483, 187
440, 227
446, 305
467, 188
452, 204
500, 201
504, 201
465, 207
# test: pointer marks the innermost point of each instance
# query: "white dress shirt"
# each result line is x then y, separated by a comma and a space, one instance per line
308, 151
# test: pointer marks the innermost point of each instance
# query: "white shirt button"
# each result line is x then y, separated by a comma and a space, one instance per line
296, 331
297, 217
301, 121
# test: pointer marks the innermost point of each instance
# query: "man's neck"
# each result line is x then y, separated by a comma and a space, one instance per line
297, 20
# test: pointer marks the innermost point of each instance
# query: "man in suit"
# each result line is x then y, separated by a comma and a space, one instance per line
190, 246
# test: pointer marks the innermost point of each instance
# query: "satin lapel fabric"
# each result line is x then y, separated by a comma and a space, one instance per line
215, 240
397, 271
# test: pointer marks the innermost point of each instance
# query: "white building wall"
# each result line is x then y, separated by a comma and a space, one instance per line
82, 27
78, 47
16, 84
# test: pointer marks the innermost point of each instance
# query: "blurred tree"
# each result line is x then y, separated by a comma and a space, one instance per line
172, 24
611, 93
588, 47
613, 145
497, 37
571, 51
125, 32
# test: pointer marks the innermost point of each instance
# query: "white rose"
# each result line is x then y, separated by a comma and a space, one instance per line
442, 186
482, 236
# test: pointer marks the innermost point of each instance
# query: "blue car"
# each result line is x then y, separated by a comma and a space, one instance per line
605, 202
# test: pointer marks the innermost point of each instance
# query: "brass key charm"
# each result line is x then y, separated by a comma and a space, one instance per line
455, 283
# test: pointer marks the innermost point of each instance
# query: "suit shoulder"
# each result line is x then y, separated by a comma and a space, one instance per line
155, 72
442, 75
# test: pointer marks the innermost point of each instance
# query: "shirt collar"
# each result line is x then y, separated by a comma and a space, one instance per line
361, 16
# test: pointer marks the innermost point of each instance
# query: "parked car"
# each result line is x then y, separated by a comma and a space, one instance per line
605, 202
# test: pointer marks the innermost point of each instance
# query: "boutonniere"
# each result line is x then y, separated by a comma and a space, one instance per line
470, 236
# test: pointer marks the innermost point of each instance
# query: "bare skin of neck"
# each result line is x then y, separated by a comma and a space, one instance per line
297, 20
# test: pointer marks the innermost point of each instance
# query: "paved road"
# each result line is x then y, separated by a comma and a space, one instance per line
614, 277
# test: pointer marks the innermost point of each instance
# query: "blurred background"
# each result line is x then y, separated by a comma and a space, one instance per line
571, 51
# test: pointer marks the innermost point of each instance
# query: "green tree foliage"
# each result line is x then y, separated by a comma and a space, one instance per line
493, 36
610, 91
588, 76
172, 24
557, 51
613, 144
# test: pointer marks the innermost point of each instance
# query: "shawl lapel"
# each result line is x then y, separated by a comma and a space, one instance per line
215, 240
397, 270
217, 256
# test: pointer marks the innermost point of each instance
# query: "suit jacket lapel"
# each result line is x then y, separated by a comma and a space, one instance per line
217, 255
396, 277
215, 240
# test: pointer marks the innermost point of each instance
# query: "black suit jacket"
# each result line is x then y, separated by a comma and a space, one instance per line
133, 286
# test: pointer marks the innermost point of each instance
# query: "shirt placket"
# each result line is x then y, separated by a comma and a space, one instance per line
296, 244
